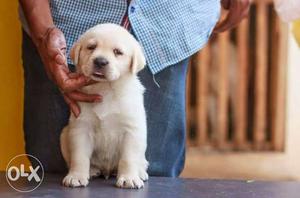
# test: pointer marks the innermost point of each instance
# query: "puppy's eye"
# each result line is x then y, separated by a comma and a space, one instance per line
118, 52
91, 47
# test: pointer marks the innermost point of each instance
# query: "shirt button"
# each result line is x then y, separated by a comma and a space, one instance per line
132, 9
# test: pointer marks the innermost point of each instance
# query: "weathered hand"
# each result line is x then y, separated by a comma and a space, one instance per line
238, 10
52, 48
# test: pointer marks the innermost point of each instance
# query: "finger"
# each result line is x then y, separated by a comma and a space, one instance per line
226, 4
77, 75
246, 9
82, 97
236, 14
64, 51
230, 19
227, 24
56, 53
73, 106
69, 84
223, 26
74, 75
60, 59
238, 10
90, 82
57, 44
59, 72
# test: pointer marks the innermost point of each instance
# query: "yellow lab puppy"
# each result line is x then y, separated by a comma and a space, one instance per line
110, 136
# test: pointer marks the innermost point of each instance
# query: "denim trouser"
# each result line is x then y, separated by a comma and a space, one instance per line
46, 113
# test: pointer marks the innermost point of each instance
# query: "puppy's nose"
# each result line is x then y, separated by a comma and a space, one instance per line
100, 62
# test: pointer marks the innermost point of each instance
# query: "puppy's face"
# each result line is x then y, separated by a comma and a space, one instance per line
106, 52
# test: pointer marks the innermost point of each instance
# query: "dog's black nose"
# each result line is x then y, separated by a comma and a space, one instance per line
100, 62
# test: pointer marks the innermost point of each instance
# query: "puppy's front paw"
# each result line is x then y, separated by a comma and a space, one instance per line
129, 181
75, 180
143, 175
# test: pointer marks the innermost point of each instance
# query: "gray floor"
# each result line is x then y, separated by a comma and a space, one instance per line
159, 188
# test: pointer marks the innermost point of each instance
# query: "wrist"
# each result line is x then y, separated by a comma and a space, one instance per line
38, 17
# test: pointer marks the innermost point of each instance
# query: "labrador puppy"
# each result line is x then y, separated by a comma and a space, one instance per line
111, 136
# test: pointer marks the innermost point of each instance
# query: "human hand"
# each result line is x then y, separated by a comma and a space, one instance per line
52, 48
238, 10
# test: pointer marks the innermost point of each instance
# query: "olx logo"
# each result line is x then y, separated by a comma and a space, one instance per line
21, 173
21, 180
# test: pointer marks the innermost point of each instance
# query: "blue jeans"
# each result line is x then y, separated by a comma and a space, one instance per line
46, 113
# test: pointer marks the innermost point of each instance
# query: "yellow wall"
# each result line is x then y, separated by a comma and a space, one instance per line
11, 84
296, 30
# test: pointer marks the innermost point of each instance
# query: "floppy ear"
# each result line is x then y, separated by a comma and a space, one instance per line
138, 59
75, 53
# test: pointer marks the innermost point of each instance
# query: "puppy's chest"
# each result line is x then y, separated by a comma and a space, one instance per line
108, 134
110, 106
104, 117
107, 145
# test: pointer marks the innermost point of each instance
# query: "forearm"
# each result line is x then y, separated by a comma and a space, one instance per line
38, 16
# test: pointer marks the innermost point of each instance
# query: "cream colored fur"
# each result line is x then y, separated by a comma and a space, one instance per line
110, 136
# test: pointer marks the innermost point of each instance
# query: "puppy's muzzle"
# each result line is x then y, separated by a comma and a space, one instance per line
99, 66
100, 62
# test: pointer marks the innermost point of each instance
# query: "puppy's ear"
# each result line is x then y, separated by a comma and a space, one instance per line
75, 52
138, 59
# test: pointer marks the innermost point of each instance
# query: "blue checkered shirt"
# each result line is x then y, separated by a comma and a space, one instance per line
168, 30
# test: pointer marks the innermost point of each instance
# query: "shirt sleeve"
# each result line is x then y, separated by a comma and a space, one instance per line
23, 20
